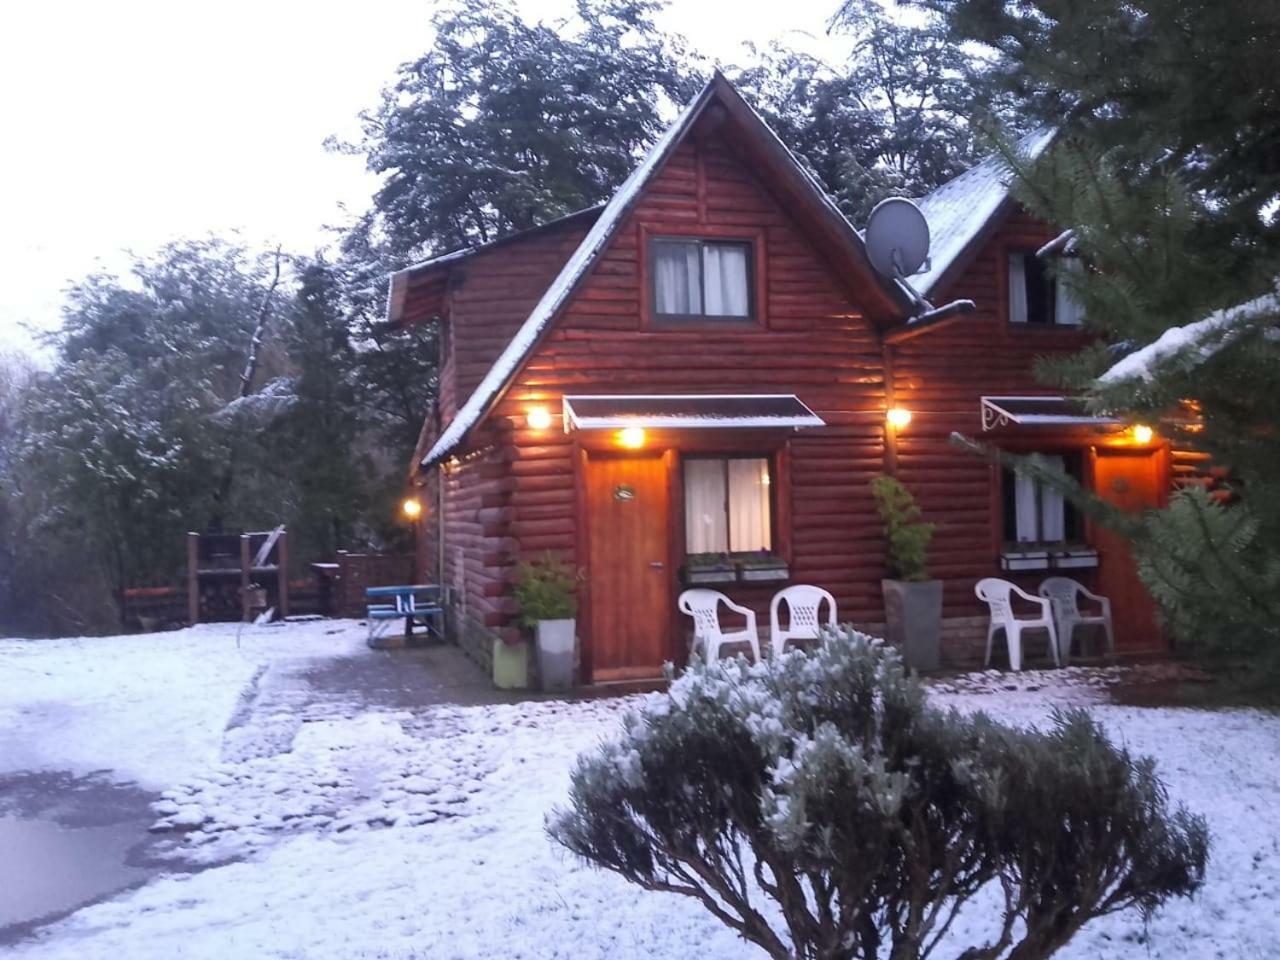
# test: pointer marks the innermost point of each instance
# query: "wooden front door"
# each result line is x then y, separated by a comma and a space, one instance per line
1132, 481
629, 580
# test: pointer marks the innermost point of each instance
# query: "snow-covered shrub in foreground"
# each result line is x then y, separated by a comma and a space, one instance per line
818, 806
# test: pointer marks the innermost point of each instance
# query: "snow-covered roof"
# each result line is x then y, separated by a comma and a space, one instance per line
592, 245
400, 279
960, 210
1196, 341
597, 239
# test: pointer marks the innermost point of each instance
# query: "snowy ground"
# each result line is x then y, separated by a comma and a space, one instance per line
339, 828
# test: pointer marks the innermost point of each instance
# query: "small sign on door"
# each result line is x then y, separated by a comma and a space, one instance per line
624, 491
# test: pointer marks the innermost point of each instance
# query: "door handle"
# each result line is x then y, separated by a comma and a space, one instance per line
656, 564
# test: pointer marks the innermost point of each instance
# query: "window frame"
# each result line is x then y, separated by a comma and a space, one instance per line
750, 243
1074, 522
1052, 293
771, 464
1028, 256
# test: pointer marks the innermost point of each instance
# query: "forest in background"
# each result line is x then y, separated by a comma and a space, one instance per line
217, 386
221, 387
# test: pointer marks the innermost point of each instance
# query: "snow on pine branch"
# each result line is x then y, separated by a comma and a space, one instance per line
1195, 342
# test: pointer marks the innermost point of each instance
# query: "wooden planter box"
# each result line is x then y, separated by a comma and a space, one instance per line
765, 574
702, 576
1015, 561
1075, 560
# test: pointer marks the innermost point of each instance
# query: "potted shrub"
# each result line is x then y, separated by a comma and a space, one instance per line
700, 568
912, 602
546, 591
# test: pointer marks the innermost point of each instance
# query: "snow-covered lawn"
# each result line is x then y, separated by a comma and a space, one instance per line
397, 833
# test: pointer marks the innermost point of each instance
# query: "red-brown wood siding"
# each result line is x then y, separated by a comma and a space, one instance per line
808, 339
517, 492
941, 376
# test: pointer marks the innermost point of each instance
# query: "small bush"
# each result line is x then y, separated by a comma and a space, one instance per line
908, 536
546, 589
816, 805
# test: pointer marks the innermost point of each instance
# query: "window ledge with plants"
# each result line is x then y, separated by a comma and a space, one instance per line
701, 569
1047, 556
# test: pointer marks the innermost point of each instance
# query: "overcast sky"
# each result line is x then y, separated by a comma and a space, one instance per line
128, 123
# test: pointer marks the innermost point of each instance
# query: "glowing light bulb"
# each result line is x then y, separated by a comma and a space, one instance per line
632, 438
1143, 434
898, 417
539, 418
412, 508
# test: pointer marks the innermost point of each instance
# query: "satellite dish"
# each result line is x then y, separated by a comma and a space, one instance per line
897, 237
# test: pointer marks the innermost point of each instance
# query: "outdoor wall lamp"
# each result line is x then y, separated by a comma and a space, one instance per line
632, 438
898, 417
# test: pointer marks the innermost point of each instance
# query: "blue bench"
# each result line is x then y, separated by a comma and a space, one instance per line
412, 603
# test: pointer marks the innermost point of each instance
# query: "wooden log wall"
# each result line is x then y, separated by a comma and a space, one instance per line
489, 297
810, 339
941, 376
512, 496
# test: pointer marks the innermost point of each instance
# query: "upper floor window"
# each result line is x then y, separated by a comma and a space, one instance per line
1036, 298
727, 504
1036, 513
701, 278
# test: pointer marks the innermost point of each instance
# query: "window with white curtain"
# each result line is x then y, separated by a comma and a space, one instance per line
1035, 512
701, 278
1036, 297
726, 504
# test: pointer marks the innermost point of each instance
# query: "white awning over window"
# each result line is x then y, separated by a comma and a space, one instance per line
1040, 412
688, 411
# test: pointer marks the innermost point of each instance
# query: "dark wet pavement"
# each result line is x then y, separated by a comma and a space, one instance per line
66, 841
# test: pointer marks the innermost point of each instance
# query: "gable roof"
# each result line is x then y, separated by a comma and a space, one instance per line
398, 291
961, 211
839, 238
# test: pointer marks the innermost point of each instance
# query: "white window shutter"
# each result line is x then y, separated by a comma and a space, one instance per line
1026, 508
1053, 512
706, 525
725, 274
1017, 289
1067, 309
677, 278
749, 527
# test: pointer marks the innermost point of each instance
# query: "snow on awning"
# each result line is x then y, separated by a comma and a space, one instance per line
688, 411
1040, 412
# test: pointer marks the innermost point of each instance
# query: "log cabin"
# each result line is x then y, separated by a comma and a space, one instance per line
697, 380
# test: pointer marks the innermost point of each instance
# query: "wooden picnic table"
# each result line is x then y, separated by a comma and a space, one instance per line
414, 602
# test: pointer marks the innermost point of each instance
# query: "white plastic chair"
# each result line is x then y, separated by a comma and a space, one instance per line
704, 607
997, 594
804, 620
1064, 595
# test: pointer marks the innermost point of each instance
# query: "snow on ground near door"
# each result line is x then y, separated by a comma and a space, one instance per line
417, 833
